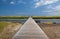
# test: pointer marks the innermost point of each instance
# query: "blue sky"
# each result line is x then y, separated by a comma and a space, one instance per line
29, 7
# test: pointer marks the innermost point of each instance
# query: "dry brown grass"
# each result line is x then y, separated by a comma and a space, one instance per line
52, 30
9, 31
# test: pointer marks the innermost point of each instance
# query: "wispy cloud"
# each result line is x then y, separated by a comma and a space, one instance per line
50, 1
12, 2
36, 0
57, 8
44, 2
21, 2
52, 10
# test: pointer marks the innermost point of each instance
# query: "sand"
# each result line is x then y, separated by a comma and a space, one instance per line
52, 30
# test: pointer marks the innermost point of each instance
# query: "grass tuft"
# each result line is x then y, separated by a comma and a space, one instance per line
3, 25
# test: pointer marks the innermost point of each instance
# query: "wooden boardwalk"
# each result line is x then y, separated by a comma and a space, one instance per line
30, 30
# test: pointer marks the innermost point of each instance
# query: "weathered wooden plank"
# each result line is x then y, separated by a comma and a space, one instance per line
30, 30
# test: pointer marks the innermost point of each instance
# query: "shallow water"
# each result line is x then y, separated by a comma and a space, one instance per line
23, 20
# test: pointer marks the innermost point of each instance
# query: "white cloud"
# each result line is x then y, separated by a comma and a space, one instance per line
52, 10
17, 2
44, 2
37, 4
50, 1
21, 2
57, 8
12, 2
36, 0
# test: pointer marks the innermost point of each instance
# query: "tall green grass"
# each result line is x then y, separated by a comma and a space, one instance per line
3, 25
25, 17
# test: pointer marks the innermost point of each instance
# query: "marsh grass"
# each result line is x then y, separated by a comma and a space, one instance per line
25, 17
3, 25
